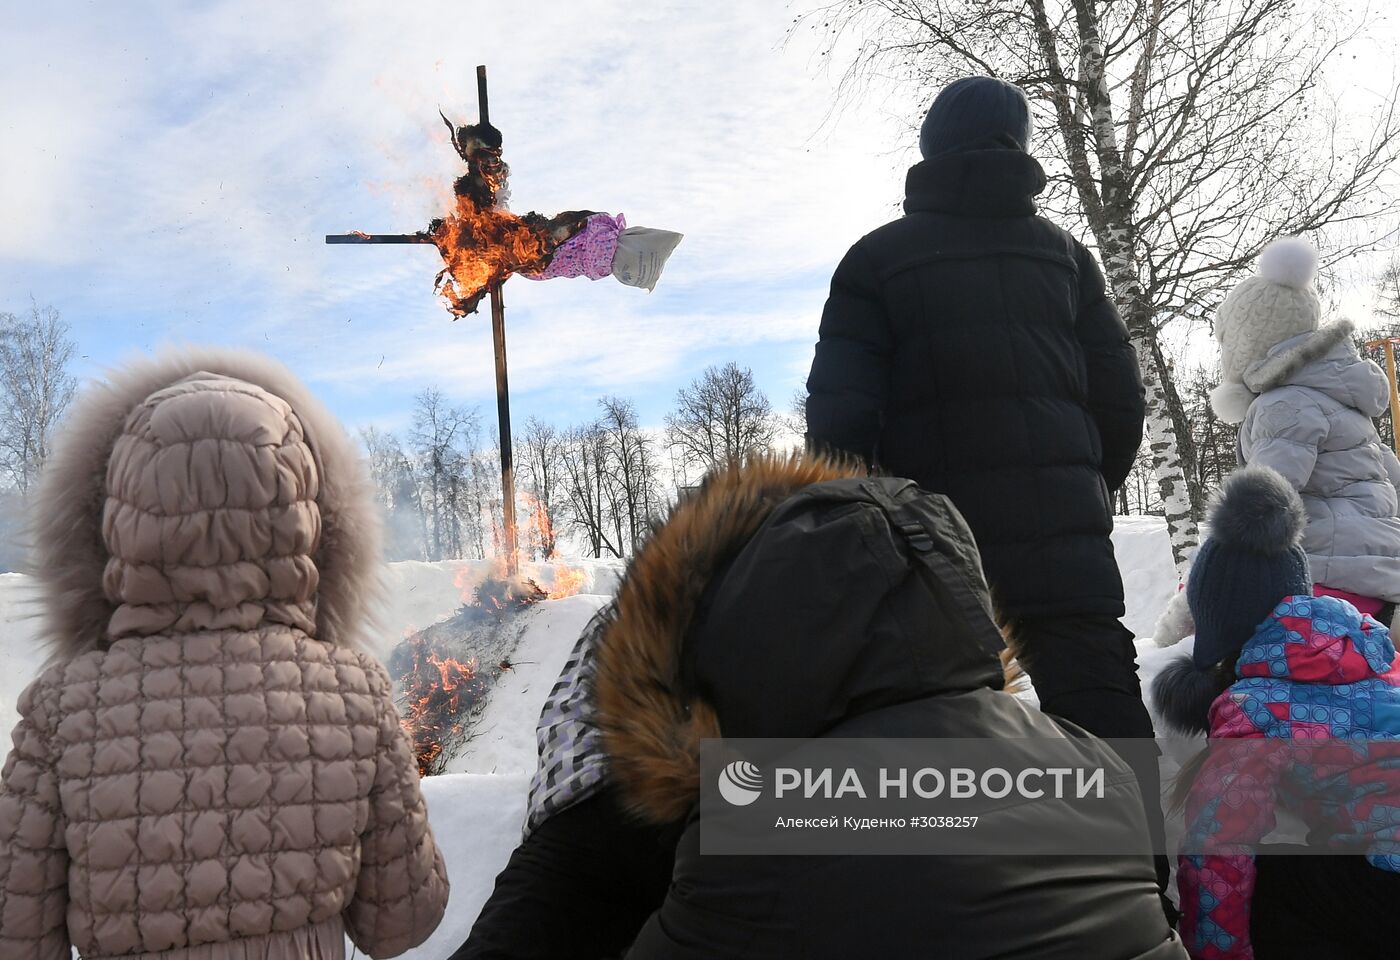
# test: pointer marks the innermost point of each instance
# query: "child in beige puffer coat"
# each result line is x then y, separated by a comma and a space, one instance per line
209, 769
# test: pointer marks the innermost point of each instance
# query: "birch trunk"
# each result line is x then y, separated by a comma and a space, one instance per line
1168, 466
1112, 218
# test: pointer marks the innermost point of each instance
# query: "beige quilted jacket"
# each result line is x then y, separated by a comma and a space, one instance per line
210, 769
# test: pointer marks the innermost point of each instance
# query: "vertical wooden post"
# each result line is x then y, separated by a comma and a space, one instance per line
1394, 395
498, 338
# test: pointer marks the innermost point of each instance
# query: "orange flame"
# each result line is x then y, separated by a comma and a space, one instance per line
481, 247
538, 528
438, 693
568, 581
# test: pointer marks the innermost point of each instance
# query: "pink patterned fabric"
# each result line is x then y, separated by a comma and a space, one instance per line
588, 253
1367, 605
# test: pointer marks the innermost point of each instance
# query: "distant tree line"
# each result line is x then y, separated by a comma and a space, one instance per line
597, 484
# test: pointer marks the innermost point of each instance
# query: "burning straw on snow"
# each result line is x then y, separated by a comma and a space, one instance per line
446, 672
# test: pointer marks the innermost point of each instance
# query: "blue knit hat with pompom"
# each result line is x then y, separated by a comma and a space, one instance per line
1252, 559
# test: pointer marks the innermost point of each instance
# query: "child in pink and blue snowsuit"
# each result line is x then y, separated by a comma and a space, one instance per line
1272, 662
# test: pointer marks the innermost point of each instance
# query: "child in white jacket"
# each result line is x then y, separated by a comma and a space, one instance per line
1305, 402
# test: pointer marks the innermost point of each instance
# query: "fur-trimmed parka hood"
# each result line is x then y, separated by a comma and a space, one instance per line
202, 489
1324, 359
779, 601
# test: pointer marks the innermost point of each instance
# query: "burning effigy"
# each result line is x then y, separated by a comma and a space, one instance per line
483, 243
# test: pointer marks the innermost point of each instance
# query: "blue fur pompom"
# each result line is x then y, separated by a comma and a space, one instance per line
1257, 510
1183, 695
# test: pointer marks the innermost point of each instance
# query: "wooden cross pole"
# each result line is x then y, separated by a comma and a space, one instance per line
498, 337
1389, 345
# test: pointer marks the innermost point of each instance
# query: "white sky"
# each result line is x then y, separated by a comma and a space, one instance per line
168, 170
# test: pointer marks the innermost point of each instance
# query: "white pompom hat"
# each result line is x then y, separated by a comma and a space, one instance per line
1276, 304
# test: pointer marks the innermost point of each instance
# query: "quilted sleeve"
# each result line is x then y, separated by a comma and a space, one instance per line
401, 893
33, 857
849, 381
1230, 807
1392, 465
1284, 429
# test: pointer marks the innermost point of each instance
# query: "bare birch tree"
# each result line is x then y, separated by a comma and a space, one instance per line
1183, 135
610, 479
583, 458
542, 446
720, 417
482, 501
35, 389
1388, 291
632, 470
444, 437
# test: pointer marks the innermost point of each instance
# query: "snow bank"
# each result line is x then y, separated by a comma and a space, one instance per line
1149, 577
476, 819
478, 808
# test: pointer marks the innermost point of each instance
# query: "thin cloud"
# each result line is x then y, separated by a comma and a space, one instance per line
171, 175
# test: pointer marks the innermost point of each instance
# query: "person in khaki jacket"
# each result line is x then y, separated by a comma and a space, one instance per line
209, 768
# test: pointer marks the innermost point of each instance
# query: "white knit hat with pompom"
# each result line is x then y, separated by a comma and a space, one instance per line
1276, 304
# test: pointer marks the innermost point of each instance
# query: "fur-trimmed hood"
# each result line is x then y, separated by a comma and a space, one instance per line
202, 488
777, 599
1324, 359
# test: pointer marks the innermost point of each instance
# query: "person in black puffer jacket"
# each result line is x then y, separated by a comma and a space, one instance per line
970, 346
801, 599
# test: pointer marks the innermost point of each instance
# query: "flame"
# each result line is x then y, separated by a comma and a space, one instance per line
538, 528
481, 242
439, 691
453, 672
568, 581
438, 694
482, 246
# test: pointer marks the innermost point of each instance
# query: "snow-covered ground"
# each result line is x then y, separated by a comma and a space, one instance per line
20, 657
477, 808
1149, 577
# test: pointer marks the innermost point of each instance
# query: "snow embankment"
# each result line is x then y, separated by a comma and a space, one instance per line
476, 821
478, 808
20, 656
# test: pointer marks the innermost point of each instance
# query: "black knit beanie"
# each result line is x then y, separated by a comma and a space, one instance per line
974, 109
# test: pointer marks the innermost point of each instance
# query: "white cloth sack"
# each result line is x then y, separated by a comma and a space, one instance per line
641, 255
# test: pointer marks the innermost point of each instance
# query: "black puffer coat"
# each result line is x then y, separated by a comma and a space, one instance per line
771, 606
969, 346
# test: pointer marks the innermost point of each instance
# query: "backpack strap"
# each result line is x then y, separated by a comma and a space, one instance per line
937, 536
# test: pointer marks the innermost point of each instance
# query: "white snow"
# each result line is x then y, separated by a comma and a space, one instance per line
478, 808
1149, 576
476, 821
